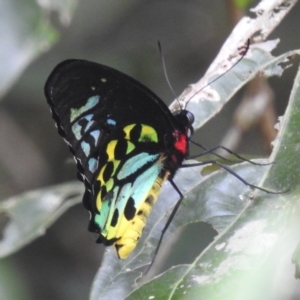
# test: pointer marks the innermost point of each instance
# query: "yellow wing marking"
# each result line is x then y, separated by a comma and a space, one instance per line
148, 134
110, 150
127, 129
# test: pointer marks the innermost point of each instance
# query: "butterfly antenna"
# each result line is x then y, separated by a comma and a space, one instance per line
165, 71
242, 53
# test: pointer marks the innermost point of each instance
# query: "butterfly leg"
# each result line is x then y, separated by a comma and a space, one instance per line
173, 213
211, 151
229, 170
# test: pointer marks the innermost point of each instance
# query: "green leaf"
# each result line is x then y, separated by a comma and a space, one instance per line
29, 215
243, 218
206, 103
240, 263
213, 201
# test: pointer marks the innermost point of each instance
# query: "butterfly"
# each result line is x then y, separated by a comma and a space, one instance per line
125, 141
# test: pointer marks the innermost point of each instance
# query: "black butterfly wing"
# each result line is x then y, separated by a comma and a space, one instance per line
120, 134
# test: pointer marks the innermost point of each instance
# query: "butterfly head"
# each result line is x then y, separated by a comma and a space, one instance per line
186, 119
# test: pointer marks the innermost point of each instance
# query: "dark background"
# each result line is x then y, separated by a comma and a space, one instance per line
124, 35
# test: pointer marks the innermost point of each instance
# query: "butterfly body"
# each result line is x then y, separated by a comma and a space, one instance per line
125, 141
